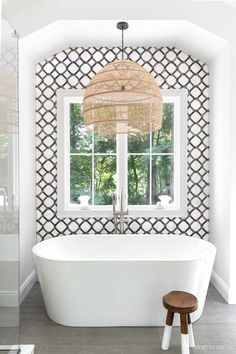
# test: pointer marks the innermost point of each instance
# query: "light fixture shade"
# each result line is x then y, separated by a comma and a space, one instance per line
122, 98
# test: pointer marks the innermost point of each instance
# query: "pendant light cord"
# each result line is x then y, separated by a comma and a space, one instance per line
122, 26
122, 44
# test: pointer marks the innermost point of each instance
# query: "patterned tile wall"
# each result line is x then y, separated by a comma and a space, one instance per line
73, 68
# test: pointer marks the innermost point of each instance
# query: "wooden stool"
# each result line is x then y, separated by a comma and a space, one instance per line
183, 303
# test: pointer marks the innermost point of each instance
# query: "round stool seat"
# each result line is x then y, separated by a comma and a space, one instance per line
180, 302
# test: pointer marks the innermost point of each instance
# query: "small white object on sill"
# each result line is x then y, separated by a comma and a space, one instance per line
165, 200
84, 199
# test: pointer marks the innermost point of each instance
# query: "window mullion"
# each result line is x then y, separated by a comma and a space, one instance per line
67, 162
122, 166
150, 172
93, 167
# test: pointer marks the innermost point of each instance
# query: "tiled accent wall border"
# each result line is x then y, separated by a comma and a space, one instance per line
73, 68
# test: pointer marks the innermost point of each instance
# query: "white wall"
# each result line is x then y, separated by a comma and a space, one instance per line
232, 206
220, 168
27, 170
223, 169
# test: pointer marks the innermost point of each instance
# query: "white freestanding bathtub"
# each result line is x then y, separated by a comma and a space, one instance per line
119, 280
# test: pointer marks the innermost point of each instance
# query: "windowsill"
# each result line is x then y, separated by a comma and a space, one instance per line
134, 211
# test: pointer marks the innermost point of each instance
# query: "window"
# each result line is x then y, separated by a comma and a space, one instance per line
144, 166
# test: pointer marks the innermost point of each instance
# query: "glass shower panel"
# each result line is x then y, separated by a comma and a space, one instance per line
9, 194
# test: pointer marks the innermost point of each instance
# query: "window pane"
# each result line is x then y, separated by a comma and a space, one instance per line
80, 177
162, 177
104, 144
105, 186
139, 143
138, 179
80, 137
163, 139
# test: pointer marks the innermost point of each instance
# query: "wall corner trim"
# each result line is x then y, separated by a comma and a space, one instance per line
24, 349
223, 288
11, 298
27, 349
27, 285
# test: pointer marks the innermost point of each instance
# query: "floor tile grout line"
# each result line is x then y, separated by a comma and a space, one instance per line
40, 347
208, 294
9, 335
83, 337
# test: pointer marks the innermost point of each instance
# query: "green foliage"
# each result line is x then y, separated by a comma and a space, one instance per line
162, 176
162, 166
105, 187
163, 139
138, 179
80, 177
139, 143
80, 137
104, 144
140, 163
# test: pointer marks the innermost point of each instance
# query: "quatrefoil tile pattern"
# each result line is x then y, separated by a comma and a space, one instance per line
73, 68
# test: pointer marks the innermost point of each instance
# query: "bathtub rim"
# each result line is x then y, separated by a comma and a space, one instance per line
212, 249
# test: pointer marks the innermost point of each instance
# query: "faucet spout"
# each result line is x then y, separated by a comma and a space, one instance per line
118, 215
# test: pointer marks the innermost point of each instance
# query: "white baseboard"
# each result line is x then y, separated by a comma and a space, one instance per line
27, 285
27, 349
10, 298
24, 349
220, 285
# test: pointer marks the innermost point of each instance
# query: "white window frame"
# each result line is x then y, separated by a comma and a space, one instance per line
178, 208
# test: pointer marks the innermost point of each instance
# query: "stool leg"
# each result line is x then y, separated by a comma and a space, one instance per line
167, 331
184, 333
190, 331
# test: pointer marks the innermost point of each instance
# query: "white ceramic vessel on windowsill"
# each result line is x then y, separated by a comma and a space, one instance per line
84, 199
165, 200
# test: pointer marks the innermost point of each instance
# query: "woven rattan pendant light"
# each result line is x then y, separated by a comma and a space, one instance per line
122, 98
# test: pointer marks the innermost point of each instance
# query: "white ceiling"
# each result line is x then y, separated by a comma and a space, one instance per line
231, 3
66, 33
27, 16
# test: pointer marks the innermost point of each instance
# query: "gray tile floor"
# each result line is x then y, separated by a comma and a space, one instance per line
9, 328
215, 332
